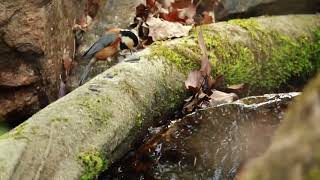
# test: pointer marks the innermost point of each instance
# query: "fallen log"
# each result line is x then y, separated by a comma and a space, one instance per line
82, 133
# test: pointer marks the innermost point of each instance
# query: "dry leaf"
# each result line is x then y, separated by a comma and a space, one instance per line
239, 89
194, 81
218, 97
67, 62
187, 14
196, 101
208, 17
205, 63
161, 30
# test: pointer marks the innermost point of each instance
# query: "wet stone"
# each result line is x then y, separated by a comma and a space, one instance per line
208, 144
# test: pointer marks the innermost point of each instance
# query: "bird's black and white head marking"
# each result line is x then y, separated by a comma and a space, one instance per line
128, 40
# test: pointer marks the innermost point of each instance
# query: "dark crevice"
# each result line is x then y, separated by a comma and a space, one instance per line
272, 8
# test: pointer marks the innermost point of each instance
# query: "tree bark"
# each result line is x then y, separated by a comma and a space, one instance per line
83, 133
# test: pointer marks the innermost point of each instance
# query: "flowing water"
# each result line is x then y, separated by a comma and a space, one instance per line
208, 144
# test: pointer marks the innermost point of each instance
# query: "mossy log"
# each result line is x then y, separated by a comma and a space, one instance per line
83, 133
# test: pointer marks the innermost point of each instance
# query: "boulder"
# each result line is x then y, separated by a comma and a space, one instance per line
111, 14
33, 36
248, 8
294, 152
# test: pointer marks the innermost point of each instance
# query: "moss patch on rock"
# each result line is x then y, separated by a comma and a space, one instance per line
17, 133
93, 108
93, 164
266, 60
184, 62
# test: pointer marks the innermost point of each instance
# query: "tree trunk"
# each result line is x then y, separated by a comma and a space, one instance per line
83, 133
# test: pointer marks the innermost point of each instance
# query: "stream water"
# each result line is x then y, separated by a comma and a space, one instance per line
208, 144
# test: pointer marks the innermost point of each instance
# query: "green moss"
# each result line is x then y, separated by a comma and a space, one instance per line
139, 119
251, 25
128, 88
313, 174
268, 63
59, 119
96, 108
315, 51
93, 164
17, 133
176, 54
168, 98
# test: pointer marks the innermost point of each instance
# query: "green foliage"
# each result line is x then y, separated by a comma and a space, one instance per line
315, 51
93, 164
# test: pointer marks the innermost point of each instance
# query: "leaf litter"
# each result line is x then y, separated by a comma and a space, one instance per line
166, 19
206, 91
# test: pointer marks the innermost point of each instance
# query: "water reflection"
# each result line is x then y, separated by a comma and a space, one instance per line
208, 144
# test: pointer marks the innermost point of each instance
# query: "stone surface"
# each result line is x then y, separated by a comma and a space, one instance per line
33, 35
85, 131
98, 121
294, 153
248, 8
112, 14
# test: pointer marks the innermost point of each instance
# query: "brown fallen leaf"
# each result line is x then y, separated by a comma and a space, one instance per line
195, 102
194, 81
208, 17
219, 97
187, 14
220, 83
205, 63
67, 62
162, 30
239, 89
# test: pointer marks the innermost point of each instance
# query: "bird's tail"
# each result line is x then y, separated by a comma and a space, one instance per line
86, 71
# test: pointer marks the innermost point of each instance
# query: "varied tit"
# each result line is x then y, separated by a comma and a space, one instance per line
107, 46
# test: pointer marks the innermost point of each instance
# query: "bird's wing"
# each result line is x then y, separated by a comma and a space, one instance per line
103, 42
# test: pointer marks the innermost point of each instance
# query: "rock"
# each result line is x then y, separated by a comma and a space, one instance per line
112, 14
18, 104
248, 8
82, 133
294, 153
33, 35
15, 74
213, 142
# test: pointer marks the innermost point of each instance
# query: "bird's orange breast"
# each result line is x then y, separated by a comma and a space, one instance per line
108, 51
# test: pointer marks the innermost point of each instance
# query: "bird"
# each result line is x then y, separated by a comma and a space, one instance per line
109, 45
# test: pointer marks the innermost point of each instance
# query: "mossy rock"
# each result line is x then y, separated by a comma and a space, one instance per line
265, 53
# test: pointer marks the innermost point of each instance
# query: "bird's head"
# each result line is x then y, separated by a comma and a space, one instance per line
129, 39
